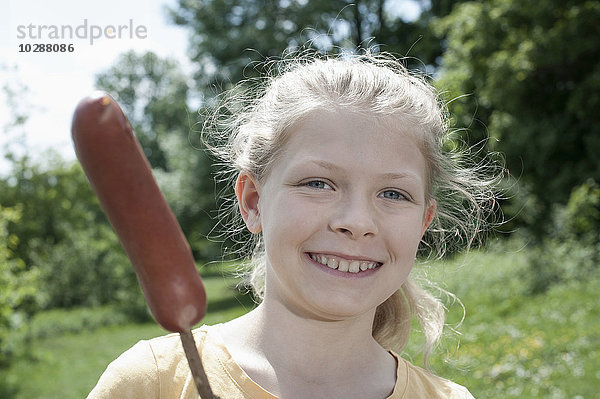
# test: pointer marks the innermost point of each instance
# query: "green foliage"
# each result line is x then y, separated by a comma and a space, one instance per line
582, 213
572, 249
154, 94
55, 198
87, 268
55, 322
63, 237
556, 261
227, 36
18, 293
531, 73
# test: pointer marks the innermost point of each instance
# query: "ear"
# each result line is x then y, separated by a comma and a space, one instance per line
428, 215
247, 193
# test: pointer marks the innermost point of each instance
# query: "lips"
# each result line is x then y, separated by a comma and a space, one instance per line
344, 264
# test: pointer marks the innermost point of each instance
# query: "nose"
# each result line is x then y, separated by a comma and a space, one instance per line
355, 218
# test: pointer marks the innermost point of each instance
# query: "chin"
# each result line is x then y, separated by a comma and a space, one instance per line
332, 307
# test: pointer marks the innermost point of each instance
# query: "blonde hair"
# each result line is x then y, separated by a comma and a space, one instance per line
250, 128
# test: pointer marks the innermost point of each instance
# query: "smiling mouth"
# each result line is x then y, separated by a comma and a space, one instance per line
344, 265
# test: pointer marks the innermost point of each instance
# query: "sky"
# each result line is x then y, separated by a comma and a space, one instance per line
56, 81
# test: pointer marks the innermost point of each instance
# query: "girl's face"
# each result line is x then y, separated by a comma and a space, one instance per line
342, 214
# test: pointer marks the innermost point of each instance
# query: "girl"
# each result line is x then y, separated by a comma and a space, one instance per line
340, 176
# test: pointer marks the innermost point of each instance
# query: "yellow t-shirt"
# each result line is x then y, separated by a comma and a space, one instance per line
158, 368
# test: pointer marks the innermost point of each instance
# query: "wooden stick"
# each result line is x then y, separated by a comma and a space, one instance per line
193, 358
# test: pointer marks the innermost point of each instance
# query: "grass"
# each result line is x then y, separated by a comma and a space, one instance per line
512, 344
515, 345
68, 364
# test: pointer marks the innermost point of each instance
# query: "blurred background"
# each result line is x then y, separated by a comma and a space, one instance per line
521, 78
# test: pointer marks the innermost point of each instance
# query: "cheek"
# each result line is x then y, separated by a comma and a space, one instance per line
286, 221
404, 234
293, 209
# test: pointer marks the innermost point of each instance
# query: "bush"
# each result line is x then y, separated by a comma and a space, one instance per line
558, 261
87, 268
60, 321
581, 216
572, 250
18, 294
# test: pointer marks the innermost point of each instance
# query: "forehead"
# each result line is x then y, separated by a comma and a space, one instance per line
352, 138
321, 127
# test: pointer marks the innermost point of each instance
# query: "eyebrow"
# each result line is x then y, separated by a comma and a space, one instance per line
388, 176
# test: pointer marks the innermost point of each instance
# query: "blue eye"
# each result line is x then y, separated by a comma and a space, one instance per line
318, 184
393, 195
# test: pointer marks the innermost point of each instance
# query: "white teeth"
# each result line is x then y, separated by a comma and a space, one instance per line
343, 265
333, 263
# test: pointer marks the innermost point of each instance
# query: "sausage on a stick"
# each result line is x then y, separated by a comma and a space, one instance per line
121, 177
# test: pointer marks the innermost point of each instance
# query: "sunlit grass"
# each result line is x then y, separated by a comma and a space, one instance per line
512, 345
68, 365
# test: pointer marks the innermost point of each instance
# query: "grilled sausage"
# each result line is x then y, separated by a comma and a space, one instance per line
121, 177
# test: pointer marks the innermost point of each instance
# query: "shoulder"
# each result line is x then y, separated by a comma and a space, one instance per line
133, 374
422, 383
147, 369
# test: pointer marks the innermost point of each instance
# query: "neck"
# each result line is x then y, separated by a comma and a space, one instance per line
320, 343
280, 346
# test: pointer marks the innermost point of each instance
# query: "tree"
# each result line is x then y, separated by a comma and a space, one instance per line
530, 71
55, 197
229, 35
154, 94
19, 295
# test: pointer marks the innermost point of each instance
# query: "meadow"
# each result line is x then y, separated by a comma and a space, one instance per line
511, 344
